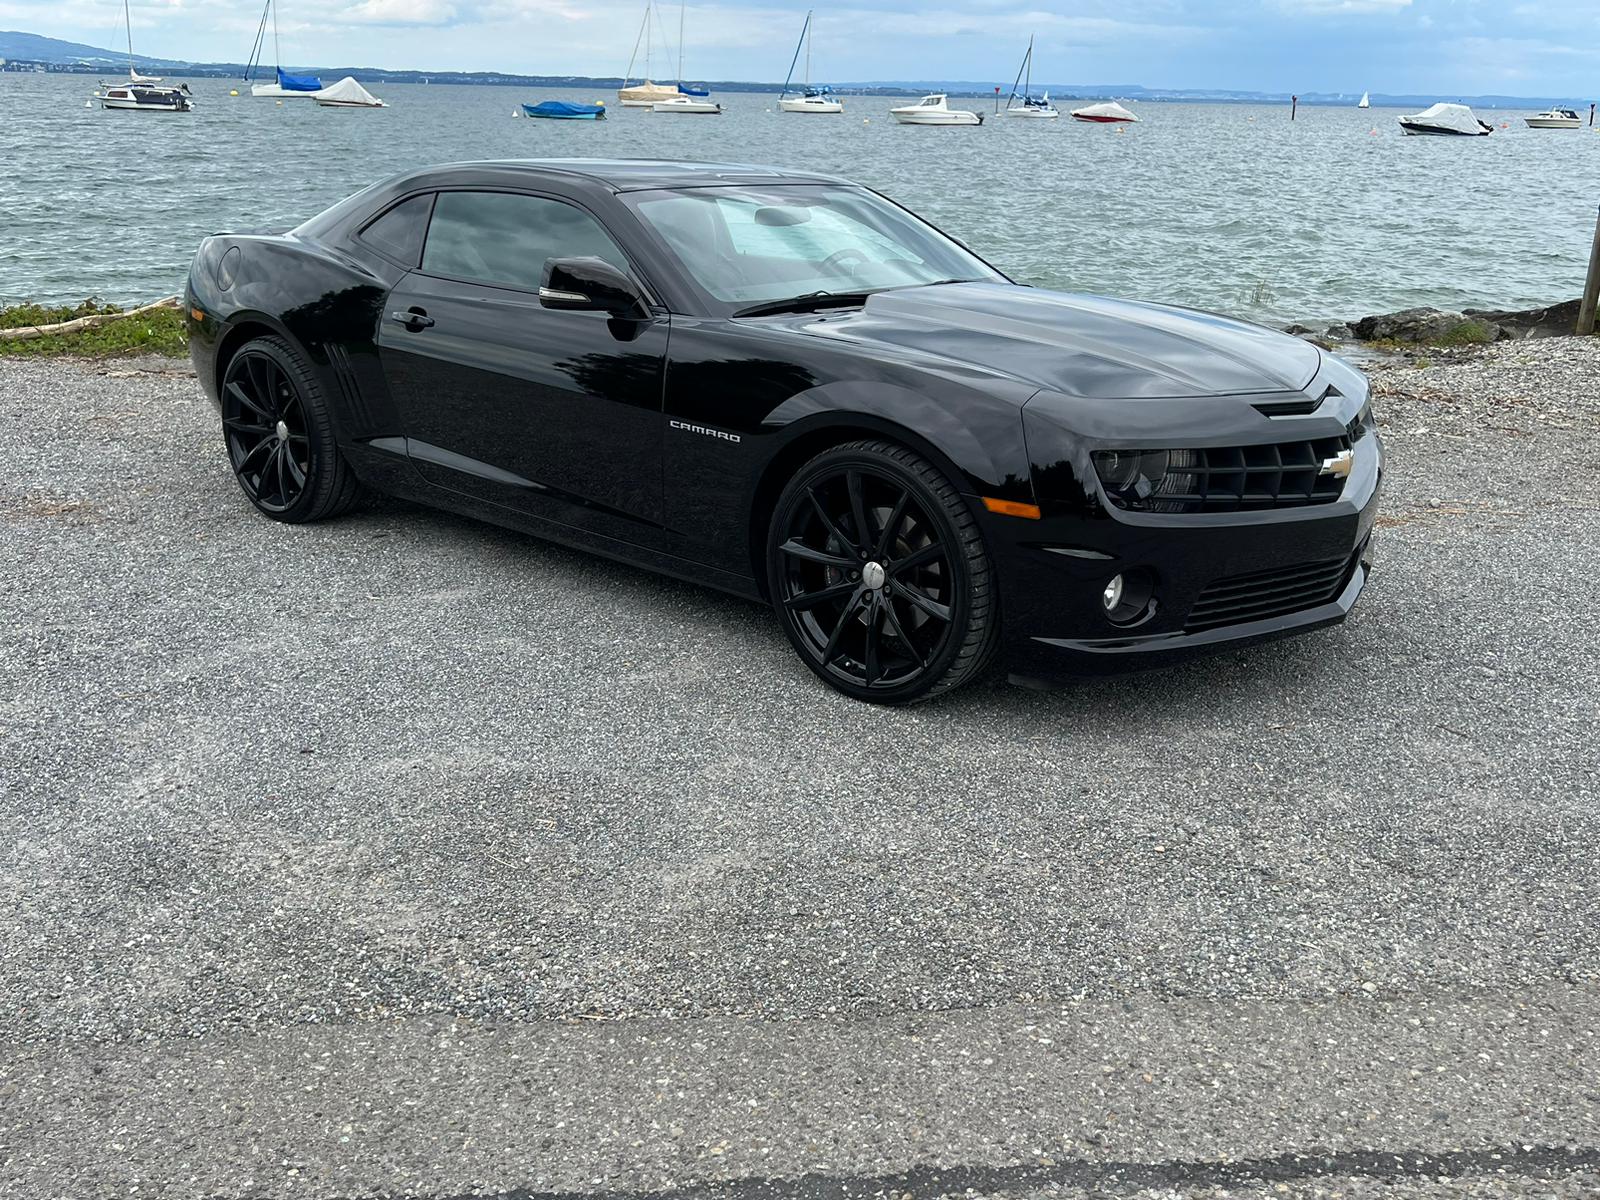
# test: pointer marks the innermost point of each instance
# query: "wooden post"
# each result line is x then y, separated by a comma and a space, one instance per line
1294, 106
1591, 286
1591, 116
997, 100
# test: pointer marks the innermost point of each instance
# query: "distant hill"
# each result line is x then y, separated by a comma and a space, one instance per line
31, 51
33, 47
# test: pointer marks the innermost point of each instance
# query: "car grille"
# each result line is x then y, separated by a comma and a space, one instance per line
1262, 594
1244, 478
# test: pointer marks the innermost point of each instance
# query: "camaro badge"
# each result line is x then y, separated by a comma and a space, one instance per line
1339, 464
705, 429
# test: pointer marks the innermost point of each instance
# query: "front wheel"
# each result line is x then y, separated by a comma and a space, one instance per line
879, 575
279, 435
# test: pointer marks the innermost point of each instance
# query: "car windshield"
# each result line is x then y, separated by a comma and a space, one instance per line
748, 245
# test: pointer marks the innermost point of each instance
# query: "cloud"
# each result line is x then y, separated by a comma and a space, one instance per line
399, 12
1329, 7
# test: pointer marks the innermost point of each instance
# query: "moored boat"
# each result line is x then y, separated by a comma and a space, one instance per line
284, 85
1107, 113
1555, 118
1028, 104
347, 93
142, 93
562, 110
687, 104
1446, 120
811, 99
148, 96
934, 110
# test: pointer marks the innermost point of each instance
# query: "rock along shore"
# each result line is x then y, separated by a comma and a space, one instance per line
1440, 327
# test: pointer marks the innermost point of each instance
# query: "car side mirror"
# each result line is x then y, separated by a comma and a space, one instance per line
589, 285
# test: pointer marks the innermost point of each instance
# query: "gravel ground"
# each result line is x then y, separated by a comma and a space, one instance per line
406, 856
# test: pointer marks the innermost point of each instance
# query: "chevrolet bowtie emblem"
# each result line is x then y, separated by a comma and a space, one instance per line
1339, 464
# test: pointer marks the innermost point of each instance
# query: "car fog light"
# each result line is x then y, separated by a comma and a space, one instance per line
1129, 597
1112, 596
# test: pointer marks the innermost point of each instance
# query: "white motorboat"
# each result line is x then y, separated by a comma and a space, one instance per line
142, 93
347, 93
1108, 113
1028, 105
1446, 120
934, 110
1366, 100
1555, 118
811, 99
284, 85
687, 104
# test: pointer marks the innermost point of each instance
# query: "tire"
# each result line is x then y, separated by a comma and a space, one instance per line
278, 434
904, 614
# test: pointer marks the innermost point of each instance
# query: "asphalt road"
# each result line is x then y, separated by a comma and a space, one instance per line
401, 856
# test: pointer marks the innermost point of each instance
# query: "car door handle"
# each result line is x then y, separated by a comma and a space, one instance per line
414, 321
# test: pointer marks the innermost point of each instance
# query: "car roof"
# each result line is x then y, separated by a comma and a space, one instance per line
635, 174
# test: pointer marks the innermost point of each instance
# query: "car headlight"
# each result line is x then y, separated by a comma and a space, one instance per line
1149, 480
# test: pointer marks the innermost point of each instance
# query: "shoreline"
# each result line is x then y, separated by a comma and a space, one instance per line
92, 329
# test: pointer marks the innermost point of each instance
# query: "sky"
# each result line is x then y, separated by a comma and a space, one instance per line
1436, 47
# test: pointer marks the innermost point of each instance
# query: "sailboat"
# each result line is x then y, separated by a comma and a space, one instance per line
644, 94
1366, 100
142, 93
689, 99
1031, 106
811, 99
284, 85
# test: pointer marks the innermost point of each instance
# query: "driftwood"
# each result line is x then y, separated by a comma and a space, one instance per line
25, 333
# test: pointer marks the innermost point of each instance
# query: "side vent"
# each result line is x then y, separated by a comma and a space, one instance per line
357, 416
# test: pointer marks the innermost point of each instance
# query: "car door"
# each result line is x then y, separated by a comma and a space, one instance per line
553, 413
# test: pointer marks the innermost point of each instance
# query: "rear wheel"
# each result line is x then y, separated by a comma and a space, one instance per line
879, 575
279, 435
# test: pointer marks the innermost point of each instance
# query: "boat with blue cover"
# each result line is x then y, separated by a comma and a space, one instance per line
286, 85
562, 110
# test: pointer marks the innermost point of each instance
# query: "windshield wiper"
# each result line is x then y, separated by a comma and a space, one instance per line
806, 303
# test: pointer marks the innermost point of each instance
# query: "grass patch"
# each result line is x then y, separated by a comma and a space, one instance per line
158, 332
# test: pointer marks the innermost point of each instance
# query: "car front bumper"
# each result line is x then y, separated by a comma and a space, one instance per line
1054, 571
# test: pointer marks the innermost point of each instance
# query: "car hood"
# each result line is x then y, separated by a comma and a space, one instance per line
1080, 345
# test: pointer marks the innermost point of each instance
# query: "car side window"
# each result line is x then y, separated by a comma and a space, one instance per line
504, 238
398, 233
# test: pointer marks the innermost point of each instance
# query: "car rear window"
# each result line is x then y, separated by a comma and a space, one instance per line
398, 233
504, 238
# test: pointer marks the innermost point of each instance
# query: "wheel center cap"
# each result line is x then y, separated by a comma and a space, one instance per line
872, 576
283, 432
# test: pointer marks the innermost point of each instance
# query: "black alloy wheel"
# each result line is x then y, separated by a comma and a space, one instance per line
279, 435
879, 575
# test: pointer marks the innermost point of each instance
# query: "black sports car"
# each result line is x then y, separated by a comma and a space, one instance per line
787, 386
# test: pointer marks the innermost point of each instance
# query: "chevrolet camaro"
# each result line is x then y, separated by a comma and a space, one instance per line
789, 387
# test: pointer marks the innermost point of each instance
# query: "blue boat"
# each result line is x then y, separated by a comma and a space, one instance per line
561, 110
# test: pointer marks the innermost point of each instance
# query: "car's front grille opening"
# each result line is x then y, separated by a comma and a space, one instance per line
1262, 594
1242, 478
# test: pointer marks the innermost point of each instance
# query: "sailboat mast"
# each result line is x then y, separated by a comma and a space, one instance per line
796, 58
808, 51
277, 55
634, 57
680, 41
1028, 86
127, 19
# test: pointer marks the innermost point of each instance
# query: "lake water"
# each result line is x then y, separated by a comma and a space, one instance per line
1223, 206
